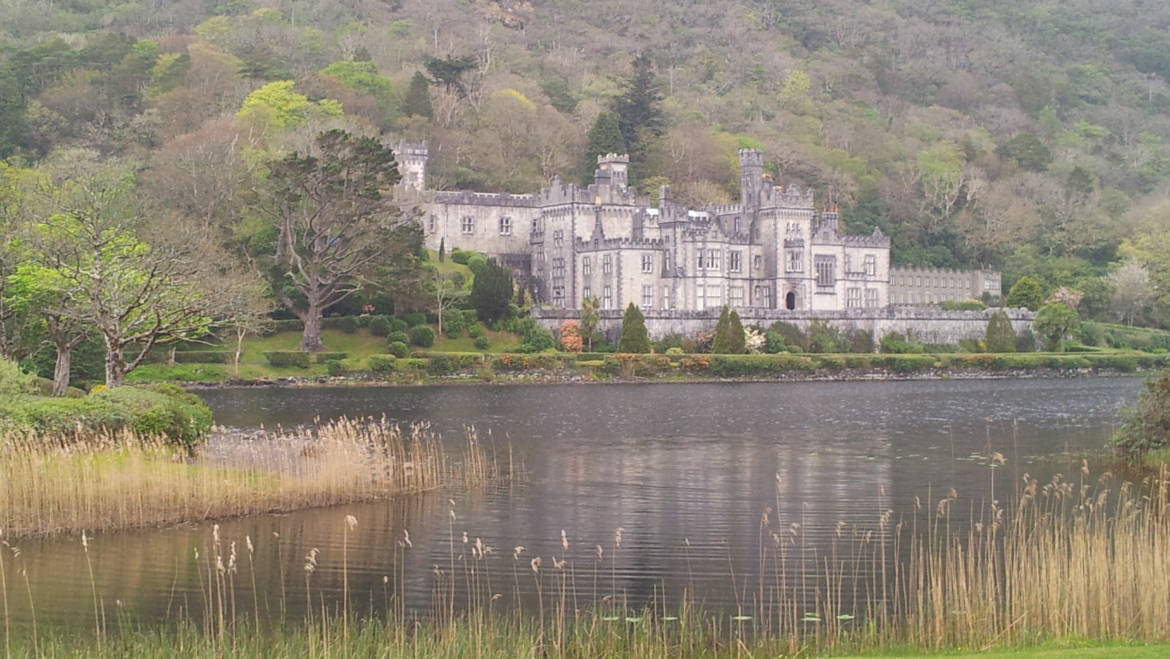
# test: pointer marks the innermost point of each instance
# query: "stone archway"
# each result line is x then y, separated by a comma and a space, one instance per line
790, 300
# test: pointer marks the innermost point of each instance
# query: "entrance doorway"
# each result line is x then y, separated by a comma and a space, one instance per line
790, 301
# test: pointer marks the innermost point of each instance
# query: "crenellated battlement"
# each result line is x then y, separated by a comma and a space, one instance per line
468, 198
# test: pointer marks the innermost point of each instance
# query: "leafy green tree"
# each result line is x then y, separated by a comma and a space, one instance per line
1000, 335
1027, 150
364, 77
603, 138
335, 219
1055, 322
276, 105
589, 320
417, 102
136, 295
634, 338
1147, 427
1027, 292
640, 117
491, 292
42, 292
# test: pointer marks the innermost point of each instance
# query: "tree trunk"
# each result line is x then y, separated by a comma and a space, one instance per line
115, 367
311, 338
240, 332
61, 370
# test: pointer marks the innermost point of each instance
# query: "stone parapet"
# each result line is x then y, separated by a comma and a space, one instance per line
925, 324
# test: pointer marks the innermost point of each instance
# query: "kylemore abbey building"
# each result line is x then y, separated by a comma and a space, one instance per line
773, 250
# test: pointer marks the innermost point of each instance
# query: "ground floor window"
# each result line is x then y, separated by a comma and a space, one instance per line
852, 297
735, 296
647, 297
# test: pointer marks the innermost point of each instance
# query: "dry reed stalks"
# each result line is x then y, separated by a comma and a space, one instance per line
111, 481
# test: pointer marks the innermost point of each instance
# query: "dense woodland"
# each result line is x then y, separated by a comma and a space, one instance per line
1029, 137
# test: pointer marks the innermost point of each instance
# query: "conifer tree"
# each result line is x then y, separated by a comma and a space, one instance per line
604, 137
634, 337
442, 249
1000, 335
721, 344
639, 113
417, 101
736, 339
491, 292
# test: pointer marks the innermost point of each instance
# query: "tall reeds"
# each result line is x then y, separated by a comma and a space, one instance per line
106, 481
1080, 558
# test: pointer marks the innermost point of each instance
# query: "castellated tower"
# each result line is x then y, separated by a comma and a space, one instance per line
751, 177
613, 169
412, 164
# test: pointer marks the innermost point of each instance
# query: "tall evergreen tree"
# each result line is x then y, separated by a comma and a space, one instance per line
1000, 335
417, 102
736, 339
634, 337
722, 343
604, 137
639, 113
491, 292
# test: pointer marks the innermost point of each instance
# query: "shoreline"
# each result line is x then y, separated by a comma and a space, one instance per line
547, 378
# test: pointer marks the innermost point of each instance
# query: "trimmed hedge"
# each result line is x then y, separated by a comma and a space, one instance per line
288, 358
534, 361
323, 357
380, 364
203, 356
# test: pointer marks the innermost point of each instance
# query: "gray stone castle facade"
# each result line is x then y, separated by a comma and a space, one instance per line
772, 251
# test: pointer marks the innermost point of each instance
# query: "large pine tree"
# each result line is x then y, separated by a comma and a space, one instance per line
417, 102
639, 114
634, 337
604, 137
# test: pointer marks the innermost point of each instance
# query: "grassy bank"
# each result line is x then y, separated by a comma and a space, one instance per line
1077, 562
104, 481
441, 365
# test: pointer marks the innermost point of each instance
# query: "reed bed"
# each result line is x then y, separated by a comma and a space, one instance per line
104, 481
1082, 559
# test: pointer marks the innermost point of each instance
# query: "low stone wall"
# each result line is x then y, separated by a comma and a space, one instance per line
923, 324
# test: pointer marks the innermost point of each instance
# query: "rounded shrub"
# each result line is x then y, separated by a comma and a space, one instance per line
397, 325
379, 326
399, 335
422, 336
481, 343
334, 368
398, 348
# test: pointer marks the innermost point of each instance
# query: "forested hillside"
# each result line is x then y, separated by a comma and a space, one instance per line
1031, 137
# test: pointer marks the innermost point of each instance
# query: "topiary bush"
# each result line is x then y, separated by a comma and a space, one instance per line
397, 337
382, 364
379, 326
288, 359
397, 325
422, 336
476, 330
481, 343
398, 349
203, 357
323, 357
334, 368
414, 319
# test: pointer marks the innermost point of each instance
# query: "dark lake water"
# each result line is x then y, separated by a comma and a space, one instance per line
685, 470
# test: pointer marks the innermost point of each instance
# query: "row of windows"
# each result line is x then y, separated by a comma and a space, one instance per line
467, 224
607, 264
932, 282
853, 297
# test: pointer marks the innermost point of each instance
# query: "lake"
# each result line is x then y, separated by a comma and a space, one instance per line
685, 470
